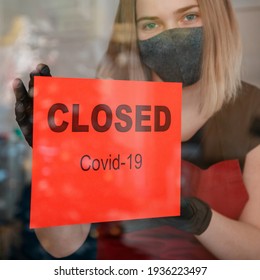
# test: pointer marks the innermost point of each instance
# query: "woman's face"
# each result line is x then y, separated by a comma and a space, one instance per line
156, 16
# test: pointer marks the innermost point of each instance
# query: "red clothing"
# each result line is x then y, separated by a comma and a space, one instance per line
212, 166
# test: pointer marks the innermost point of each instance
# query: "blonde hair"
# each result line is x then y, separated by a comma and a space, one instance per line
221, 64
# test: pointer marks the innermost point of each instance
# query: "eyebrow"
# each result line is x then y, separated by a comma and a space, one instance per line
184, 9
179, 11
146, 18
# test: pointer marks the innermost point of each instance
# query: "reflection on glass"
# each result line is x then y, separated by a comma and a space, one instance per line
72, 37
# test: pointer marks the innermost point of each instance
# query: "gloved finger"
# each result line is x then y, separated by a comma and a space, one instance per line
41, 70
20, 113
31, 82
23, 111
196, 224
25, 121
187, 212
27, 130
23, 104
20, 91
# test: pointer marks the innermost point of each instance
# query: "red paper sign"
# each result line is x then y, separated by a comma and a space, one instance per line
104, 150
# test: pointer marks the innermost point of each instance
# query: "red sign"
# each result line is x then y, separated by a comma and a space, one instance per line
104, 150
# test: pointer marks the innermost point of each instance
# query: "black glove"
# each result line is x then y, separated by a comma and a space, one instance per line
195, 216
24, 101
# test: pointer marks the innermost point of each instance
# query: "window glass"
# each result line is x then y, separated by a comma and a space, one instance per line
82, 39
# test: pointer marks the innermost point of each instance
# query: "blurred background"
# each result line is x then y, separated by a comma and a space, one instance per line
70, 36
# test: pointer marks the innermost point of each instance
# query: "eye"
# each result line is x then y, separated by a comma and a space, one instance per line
191, 17
150, 26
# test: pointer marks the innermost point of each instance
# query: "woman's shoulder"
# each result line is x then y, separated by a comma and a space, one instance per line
231, 132
239, 120
249, 88
249, 94
245, 105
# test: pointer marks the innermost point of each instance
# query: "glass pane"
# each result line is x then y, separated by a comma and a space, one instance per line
143, 42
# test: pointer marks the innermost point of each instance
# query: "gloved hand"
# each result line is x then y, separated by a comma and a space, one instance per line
195, 216
24, 101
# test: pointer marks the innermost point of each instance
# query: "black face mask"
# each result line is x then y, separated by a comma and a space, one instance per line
175, 55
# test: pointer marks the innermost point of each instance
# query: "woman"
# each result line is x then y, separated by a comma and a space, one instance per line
196, 43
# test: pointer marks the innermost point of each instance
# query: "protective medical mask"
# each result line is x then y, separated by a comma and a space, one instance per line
175, 55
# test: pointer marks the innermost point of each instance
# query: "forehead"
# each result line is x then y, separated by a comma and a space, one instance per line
155, 7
